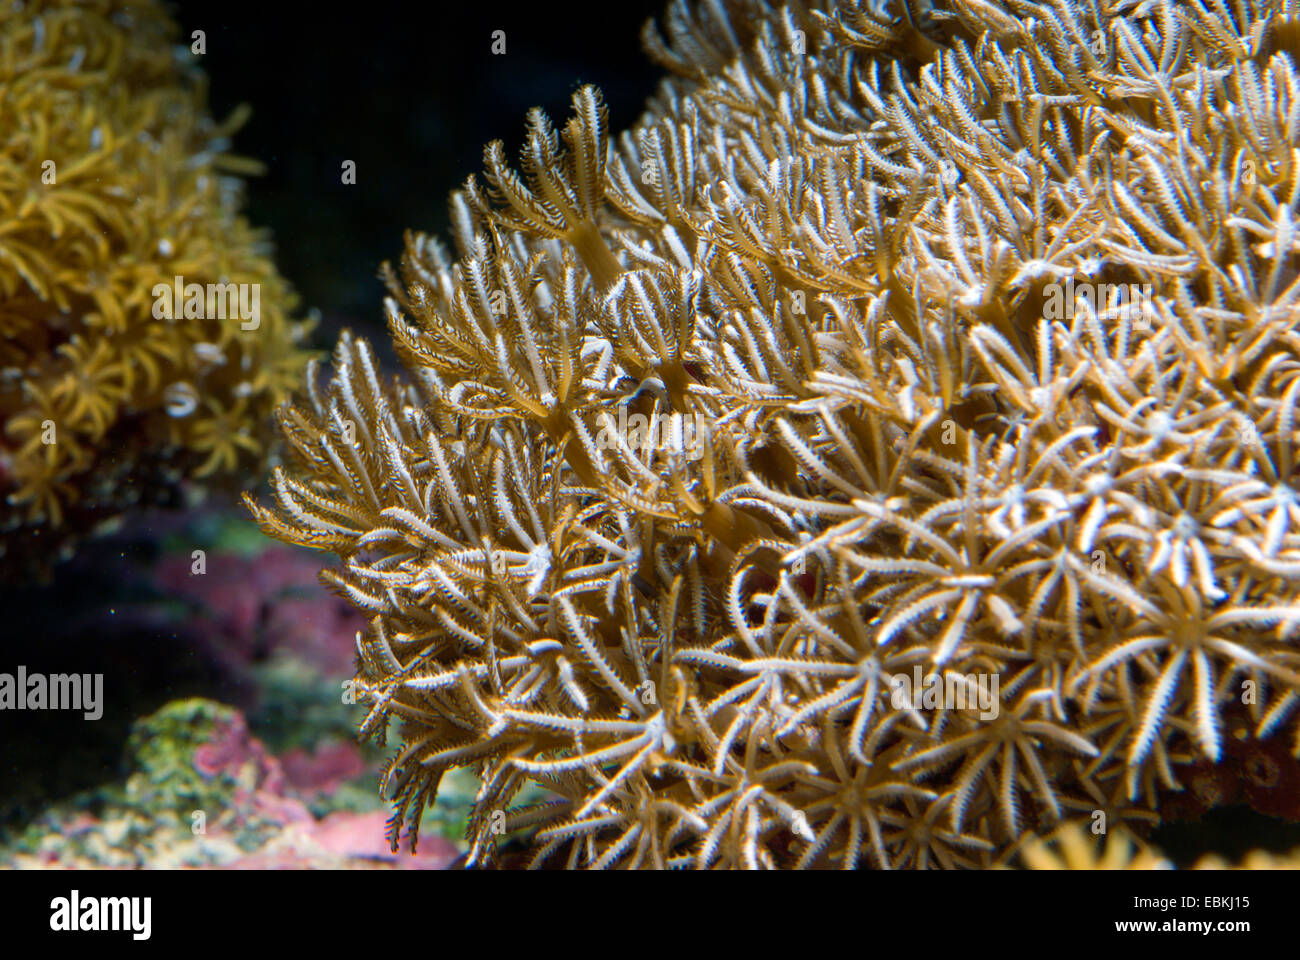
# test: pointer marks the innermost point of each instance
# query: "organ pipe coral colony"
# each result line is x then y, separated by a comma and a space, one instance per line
115, 191
987, 313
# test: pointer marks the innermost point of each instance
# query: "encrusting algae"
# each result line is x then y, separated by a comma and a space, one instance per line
115, 192
983, 317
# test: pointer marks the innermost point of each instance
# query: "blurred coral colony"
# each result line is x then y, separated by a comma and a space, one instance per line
115, 184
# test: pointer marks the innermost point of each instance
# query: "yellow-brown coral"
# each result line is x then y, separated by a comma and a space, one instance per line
1072, 847
113, 183
953, 338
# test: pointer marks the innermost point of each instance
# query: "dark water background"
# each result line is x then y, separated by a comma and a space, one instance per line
409, 91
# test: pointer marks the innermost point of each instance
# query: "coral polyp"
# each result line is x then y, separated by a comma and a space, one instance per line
987, 312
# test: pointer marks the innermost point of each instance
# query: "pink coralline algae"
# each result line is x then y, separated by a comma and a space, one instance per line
249, 608
344, 840
234, 752
205, 792
260, 795
322, 770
